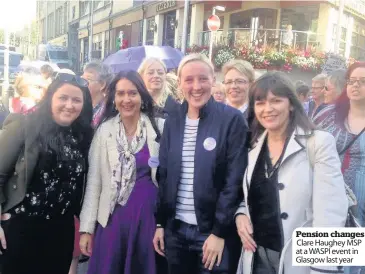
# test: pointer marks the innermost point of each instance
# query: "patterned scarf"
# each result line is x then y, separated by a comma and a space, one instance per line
98, 111
124, 173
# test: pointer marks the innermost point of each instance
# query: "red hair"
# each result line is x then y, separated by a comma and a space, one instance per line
342, 105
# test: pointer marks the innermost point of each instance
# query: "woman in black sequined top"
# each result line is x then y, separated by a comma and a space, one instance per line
47, 153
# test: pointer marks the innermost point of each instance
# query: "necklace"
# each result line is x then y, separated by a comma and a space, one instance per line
131, 133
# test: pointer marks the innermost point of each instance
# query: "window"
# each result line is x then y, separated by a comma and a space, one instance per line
97, 4
140, 36
84, 8
150, 31
51, 26
65, 18
106, 44
62, 55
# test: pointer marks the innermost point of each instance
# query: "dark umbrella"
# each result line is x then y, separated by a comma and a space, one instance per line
131, 58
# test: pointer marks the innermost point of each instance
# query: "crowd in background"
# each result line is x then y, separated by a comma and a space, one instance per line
160, 172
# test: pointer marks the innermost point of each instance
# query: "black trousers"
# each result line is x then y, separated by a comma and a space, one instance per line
38, 246
266, 261
184, 251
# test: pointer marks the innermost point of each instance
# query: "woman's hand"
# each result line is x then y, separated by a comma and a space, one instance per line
86, 244
158, 241
245, 232
4, 217
212, 251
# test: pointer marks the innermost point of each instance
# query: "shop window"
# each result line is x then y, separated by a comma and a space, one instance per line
343, 33
150, 31
84, 8
106, 44
361, 42
354, 40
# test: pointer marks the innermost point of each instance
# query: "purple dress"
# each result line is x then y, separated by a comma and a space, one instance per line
125, 244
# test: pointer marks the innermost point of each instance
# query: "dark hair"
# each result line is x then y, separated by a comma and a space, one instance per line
147, 101
342, 105
45, 129
280, 85
302, 90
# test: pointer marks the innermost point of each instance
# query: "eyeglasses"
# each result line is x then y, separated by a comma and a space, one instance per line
360, 81
236, 82
326, 89
68, 78
320, 88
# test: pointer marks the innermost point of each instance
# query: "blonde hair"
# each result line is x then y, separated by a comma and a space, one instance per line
320, 78
24, 80
242, 67
147, 62
195, 57
171, 87
219, 86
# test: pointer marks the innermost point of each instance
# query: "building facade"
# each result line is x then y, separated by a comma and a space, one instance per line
131, 23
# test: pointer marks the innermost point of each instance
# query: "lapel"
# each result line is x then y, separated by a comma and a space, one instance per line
31, 154
111, 141
294, 145
153, 147
113, 131
253, 155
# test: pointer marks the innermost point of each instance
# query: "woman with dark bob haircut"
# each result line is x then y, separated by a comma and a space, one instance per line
121, 187
283, 187
42, 171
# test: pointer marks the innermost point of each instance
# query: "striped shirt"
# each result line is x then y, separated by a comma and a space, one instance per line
185, 210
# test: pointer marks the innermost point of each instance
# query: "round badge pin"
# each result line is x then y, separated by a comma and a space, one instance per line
153, 162
209, 144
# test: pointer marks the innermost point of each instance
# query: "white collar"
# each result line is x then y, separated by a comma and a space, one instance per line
243, 108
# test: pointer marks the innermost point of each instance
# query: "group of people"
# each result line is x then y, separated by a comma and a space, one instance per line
151, 172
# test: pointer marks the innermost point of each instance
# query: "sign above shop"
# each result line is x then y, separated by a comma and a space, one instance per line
165, 5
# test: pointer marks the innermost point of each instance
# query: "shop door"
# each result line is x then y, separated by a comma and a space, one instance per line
169, 29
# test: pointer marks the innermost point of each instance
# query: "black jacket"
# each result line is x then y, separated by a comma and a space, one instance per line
218, 173
3, 114
18, 159
171, 107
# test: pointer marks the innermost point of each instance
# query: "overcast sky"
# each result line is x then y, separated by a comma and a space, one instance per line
14, 14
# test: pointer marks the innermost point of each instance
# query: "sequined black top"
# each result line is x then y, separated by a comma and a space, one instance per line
57, 180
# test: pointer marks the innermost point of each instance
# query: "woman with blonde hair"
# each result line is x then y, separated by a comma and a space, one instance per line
201, 164
29, 88
218, 93
165, 95
238, 76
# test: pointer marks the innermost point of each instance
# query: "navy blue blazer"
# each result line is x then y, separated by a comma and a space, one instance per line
218, 173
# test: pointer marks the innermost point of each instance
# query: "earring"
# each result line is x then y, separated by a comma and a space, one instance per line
143, 106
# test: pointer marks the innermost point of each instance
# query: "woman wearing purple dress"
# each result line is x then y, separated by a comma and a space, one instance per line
121, 188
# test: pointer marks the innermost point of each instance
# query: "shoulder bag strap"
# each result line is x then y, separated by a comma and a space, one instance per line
352, 142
